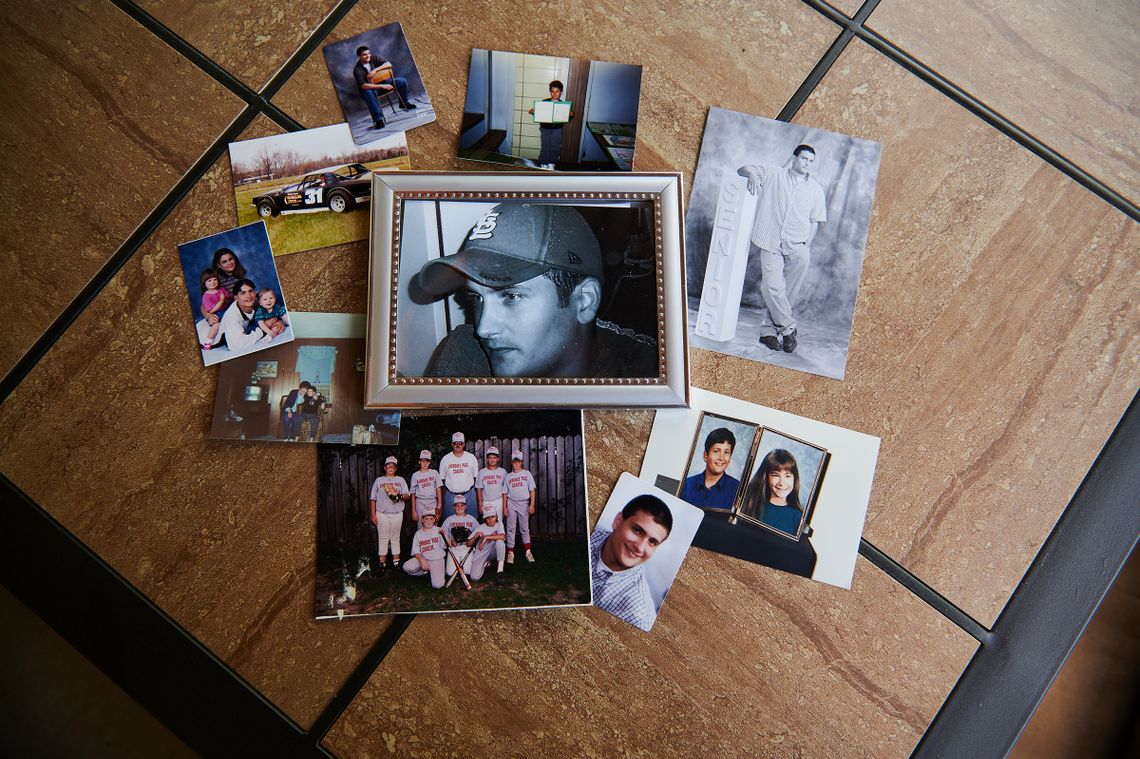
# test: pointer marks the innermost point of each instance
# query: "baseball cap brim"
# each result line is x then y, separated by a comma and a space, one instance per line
448, 274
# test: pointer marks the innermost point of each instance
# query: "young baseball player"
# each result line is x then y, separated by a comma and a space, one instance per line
389, 493
428, 552
487, 538
520, 505
425, 487
489, 486
457, 528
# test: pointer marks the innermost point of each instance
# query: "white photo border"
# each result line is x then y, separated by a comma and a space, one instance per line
383, 389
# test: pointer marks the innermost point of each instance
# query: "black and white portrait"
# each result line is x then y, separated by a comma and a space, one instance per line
776, 232
527, 289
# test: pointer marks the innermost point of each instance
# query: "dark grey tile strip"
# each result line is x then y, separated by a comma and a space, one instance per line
1008, 676
122, 632
932, 597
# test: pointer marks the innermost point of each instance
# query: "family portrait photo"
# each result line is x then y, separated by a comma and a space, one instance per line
776, 232
550, 113
308, 391
312, 188
468, 512
235, 294
378, 84
637, 547
801, 487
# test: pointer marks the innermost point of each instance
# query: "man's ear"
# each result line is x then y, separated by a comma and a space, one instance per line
586, 300
617, 521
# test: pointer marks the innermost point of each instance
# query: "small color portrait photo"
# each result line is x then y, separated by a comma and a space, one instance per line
235, 294
783, 483
378, 84
718, 462
636, 549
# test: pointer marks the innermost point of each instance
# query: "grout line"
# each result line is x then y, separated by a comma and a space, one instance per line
302, 53
347, 693
972, 104
818, 72
929, 595
127, 249
205, 63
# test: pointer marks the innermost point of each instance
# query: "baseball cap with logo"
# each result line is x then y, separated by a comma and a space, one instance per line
511, 243
460, 499
517, 456
458, 438
391, 460
425, 454
492, 451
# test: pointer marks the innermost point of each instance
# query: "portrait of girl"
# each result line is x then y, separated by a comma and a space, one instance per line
773, 494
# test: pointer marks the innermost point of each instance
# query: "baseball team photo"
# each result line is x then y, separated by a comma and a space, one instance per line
537, 288
776, 231
550, 113
312, 188
468, 512
235, 294
378, 84
638, 544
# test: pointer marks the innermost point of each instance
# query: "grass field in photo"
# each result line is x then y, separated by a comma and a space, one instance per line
294, 232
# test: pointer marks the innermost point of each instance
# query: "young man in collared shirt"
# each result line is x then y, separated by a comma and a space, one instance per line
618, 559
791, 208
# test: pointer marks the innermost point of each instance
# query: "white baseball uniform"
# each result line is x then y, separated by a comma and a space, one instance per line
480, 556
458, 473
425, 489
519, 485
490, 483
462, 554
389, 513
428, 546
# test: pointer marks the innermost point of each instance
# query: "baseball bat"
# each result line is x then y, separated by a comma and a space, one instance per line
458, 567
452, 579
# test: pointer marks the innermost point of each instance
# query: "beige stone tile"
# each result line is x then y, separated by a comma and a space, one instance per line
744, 56
93, 139
108, 434
995, 341
251, 40
743, 661
1066, 72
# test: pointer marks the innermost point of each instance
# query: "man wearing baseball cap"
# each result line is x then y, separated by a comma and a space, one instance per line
458, 470
530, 277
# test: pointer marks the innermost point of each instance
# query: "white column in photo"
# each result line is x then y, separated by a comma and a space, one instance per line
728, 260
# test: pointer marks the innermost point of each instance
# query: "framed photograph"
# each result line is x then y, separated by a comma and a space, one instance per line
308, 392
776, 231
378, 84
636, 549
549, 112
526, 289
235, 295
311, 187
776, 489
470, 512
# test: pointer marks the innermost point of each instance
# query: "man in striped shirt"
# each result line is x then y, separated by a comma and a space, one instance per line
618, 556
790, 210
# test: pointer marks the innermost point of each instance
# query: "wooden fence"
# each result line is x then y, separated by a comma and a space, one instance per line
346, 474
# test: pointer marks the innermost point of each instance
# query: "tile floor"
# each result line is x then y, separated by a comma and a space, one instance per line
995, 339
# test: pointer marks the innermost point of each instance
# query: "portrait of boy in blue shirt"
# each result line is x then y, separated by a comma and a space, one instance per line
714, 488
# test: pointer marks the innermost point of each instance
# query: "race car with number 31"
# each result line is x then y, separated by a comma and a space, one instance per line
337, 189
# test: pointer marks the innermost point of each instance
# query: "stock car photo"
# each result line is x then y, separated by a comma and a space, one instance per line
337, 188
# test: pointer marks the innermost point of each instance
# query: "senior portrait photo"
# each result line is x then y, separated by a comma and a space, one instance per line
775, 235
